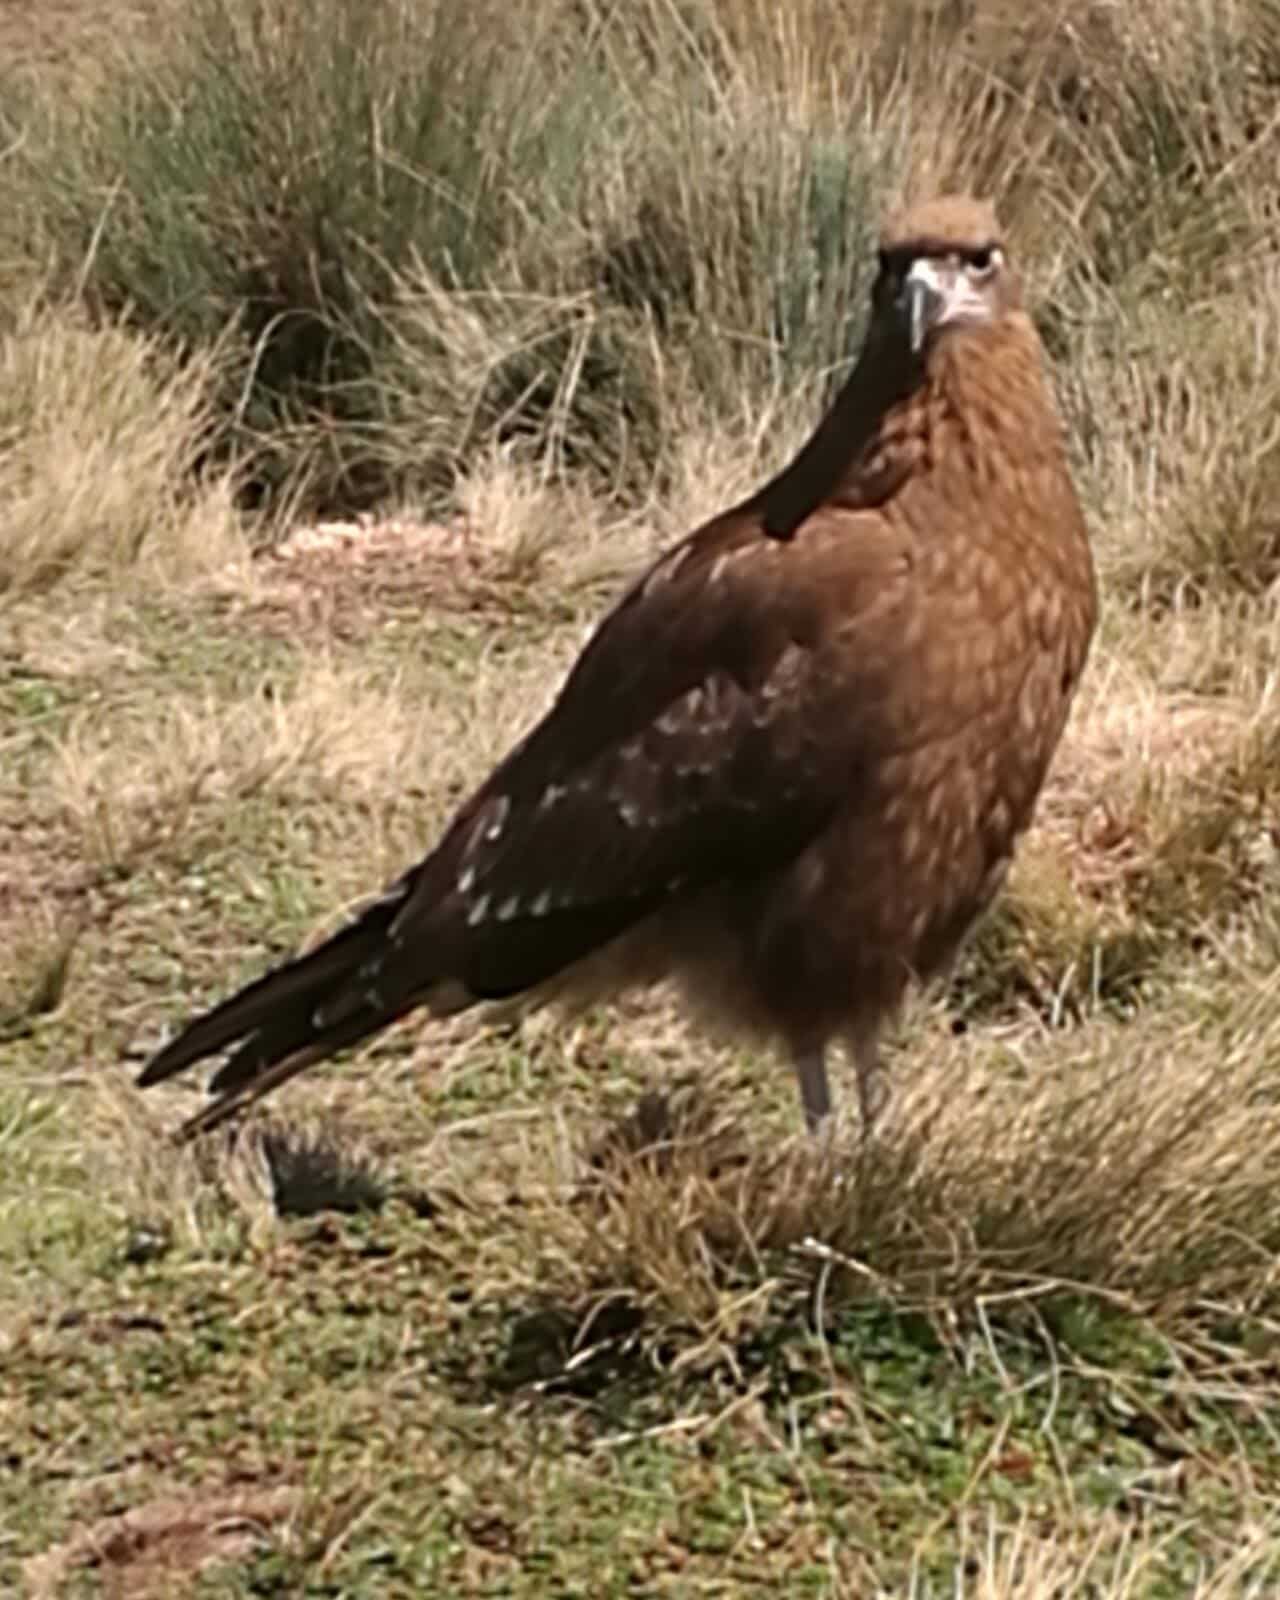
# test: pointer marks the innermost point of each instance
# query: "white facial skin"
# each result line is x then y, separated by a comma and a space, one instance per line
940, 291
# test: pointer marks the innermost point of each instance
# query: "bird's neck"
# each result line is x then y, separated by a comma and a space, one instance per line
976, 399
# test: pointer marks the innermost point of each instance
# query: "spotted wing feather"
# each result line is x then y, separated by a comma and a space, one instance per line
697, 737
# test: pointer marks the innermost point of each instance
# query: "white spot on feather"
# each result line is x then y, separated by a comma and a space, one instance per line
466, 879
787, 670
508, 909
667, 567
498, 822
552, 795
478, 912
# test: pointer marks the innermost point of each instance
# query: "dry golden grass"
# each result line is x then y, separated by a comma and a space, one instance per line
99, 437
1008, 1561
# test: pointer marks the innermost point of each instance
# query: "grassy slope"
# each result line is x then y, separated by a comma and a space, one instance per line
495, 1381
432, 1326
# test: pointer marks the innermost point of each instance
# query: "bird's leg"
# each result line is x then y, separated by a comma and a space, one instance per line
810, 1067
873, 1080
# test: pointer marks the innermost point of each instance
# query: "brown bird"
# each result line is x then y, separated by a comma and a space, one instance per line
790, 767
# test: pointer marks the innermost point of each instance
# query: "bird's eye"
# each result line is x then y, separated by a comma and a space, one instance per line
983, 260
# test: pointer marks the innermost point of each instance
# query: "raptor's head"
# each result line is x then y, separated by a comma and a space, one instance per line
943, 266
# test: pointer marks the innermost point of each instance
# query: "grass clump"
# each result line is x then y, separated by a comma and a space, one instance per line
268, 175
103, 438
421, 235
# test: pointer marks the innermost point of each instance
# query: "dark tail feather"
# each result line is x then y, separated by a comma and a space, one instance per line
302, 1012
299, 986
263, 1063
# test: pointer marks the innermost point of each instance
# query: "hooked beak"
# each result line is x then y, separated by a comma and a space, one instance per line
923, 300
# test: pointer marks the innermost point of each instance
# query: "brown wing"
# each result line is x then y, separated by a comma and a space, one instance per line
707, 730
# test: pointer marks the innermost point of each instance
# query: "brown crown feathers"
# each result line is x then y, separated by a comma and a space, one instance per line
790, 767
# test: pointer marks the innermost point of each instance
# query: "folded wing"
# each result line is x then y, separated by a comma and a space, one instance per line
705, 733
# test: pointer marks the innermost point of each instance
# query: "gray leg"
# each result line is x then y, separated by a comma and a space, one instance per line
873, 1081
815, 1093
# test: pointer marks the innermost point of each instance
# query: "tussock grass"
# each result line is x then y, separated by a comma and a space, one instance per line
1013, 1560
1183, 410
101, 440
421, 239
268, 175
1155, 833
1133, 1168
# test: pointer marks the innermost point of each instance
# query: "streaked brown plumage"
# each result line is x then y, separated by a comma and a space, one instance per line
791, 766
